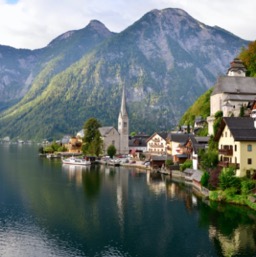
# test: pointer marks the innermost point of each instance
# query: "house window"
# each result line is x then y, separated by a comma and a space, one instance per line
226, 134
113, 142
249, 161
249, 148
235, 148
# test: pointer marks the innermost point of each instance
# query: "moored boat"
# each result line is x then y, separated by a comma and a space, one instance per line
76, 161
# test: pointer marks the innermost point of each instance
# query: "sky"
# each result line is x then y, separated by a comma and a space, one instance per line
32, 24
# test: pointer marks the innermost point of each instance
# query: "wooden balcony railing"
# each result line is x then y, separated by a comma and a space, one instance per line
226, 164
228, 152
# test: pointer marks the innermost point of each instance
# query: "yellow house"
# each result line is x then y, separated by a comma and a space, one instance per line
237, 145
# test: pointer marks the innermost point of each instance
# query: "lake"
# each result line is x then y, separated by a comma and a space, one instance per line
47, 209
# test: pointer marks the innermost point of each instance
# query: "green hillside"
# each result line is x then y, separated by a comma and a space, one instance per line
201, 107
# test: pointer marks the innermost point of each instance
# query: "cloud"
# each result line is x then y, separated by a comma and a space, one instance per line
34, 23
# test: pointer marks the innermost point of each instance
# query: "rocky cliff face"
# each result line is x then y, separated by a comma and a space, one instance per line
165, 60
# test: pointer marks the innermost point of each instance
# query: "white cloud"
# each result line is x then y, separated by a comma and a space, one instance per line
34, 23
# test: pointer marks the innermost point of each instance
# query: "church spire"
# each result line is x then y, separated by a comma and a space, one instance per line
123, 111
123, 126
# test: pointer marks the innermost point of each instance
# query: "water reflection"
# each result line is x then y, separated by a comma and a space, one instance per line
57, 210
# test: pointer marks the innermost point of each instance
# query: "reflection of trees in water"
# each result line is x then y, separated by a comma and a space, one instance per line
232, 228
91, 181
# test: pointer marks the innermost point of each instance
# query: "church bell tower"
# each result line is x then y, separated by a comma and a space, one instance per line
123, 126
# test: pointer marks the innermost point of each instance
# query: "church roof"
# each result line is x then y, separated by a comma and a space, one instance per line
235, 85
105, 130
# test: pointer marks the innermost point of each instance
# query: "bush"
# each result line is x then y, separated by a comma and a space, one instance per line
247, 185
227, 179
186, 165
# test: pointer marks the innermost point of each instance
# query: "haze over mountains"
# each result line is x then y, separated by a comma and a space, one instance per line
165, 61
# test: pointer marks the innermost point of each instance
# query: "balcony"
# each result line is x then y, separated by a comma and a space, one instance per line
226, 164
226, 151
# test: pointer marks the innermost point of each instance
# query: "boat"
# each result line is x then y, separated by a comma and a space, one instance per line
113, 162
76, 161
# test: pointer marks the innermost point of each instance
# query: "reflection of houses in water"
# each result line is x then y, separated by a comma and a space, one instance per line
156, 183
75, 173
241, 238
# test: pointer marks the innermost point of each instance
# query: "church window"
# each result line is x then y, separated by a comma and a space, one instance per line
249, 148
249, 161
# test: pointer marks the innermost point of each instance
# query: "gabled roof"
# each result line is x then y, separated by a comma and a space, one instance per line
241, 128
198, 142
163, 135
179, 137
105, 130
235, 85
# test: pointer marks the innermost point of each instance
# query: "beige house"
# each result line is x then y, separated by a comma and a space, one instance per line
156, 144
237, 145
175, 141
231, 93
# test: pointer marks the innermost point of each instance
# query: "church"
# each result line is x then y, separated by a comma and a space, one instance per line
231, 93
120, 137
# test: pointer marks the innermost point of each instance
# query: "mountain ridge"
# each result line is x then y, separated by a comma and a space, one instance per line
165, 60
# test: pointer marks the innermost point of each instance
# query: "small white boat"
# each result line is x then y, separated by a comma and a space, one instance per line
76, 161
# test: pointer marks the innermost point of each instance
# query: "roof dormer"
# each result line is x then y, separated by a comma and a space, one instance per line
237, 68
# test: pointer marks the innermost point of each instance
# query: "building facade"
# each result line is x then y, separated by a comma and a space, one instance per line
237, 145
231, 93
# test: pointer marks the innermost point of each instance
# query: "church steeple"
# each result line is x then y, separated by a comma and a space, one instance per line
123, 126
123, 111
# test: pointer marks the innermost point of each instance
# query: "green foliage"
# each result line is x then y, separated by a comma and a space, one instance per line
205, 179
201, 107
92, 139
111, 151
218, 117
227, 179
241, 114
208, 159
133, 133
248, 56
247, 185
186, 165
168, 163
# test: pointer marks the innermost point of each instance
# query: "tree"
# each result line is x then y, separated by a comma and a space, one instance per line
208, 159
92, 142
205, 179
111, 151
248, 56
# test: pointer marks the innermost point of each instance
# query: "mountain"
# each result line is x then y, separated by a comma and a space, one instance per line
21, 68
165, 61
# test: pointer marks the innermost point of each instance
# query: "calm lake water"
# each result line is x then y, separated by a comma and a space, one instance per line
47, 209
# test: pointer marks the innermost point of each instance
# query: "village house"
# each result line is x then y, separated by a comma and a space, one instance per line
138, 143
73, 144
156, 144
175, 141
237, 145
231, 93
192, 147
